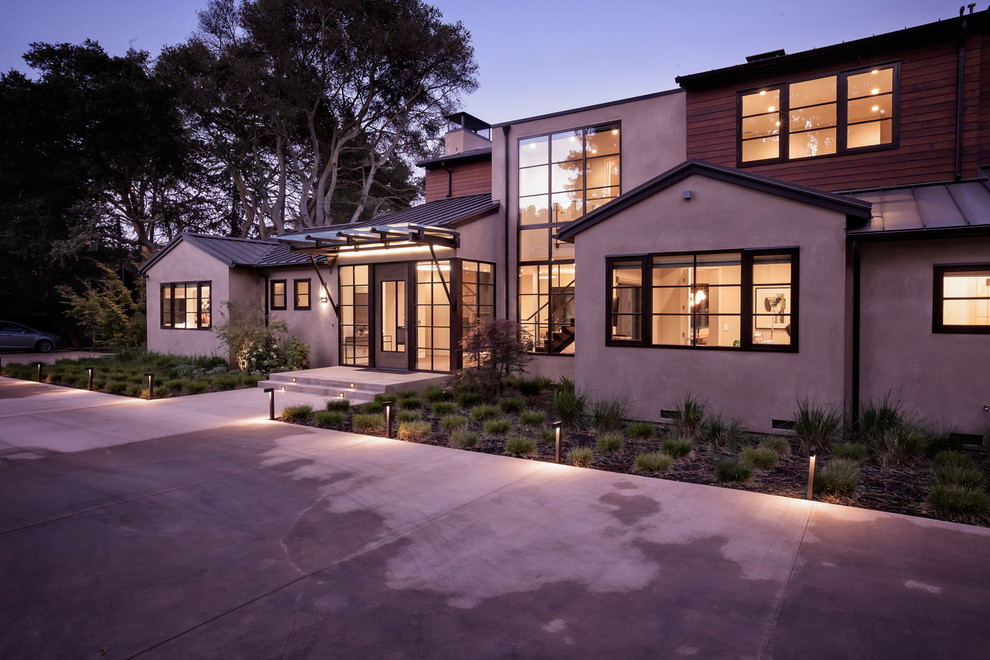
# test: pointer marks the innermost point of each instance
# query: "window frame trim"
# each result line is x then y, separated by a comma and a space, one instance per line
271, 295
841, 116
745, 300
938, 299
199, 301
295, 294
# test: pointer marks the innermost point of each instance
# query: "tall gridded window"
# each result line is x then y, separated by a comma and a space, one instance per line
824, 116
962, 299
278, 294
477, 294
432, 316
301, 294
354, 315
562, 176
186, 305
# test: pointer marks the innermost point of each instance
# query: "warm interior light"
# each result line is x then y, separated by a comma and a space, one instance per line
875, 90
875, 71
615, 131
532, 146
763, 92
594, 151
425, 267
875, 108
771, 109
777, 124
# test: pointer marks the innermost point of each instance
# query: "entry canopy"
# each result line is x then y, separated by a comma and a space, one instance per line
374, 237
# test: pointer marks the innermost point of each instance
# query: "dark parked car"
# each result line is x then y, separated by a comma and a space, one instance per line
17, 337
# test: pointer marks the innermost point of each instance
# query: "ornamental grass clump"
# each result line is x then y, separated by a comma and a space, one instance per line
581, 456
609, 443
642, 430
817, 426
517, 446
369, 423
512, 405
329, 419
532, 417
469, 399
372, 407
340, 405
777, 444
463, 439
732, 470
689, 415
436, 394
444, 407
414, 431
297, 414
761, 458
720, 433
956, 468
652, 463
677, 446
960, 488
409, 402
451, 422
608, 415
901, 446
407, 415
854, 451
484, 411
497, 427
570, 404
840, 476
525, 386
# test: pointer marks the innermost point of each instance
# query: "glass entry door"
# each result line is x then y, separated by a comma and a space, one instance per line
391, 331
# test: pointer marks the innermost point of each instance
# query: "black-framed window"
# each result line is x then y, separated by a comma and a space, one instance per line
186, 305
744, 299
355, 313
477, 300
836, 114
301, 294
962, 299
278, 295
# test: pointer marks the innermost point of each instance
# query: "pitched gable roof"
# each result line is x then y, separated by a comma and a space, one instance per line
857, 212
234, 252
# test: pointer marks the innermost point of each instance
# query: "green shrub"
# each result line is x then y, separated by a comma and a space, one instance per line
644, 430
721, 433
410, 403
609, 443
688, 415
902, 446
372, 407
436, 394
512, 405
570, 404
854, 451
762, 458
297, 414
484, 411
677, 446
451, 422
877, 418
497, 427
384, 397
407, 415
197, 386
732, 470
463, 438
444, 407
340, 405
250, 380
581, 456
840, 476
406, 394
526, 386
548, 436
414, 431
516, 446
652, 463
369, 423
959, 469
608, 415
955, 501
469, 399
137, 391
532, 417
946, 458
778, 444
817, 426
225, 383
120, 387
329, 419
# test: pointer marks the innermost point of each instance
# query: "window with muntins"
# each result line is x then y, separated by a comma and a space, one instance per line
836, 114
186, 305
355, 308
301, 294
278, 294
562, 176
962, 299
745, 299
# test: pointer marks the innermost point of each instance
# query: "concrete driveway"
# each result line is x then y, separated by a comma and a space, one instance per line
193, 527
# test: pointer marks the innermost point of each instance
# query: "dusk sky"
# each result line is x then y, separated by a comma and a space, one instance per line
535, 56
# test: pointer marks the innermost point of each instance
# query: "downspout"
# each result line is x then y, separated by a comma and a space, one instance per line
960, 80
450, 181
505, 205
857, 272
265, 296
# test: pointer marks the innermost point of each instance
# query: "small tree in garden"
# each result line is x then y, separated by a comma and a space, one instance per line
254, 346
108, 310
493, 350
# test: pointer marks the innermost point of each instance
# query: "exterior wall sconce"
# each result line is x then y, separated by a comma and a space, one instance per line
687, 195
39, 372
89, 378
270, 391
556, 433
388, 419
811, 470
151, 385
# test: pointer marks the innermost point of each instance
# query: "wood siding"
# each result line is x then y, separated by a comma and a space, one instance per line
925, 116
467, 179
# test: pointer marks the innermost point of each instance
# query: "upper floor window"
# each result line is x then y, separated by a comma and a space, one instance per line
278, 294
186, 305
744, 299
819, 117
300, 294
962, 299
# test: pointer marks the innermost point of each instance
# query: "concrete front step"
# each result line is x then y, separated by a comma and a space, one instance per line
356, 385
330, 391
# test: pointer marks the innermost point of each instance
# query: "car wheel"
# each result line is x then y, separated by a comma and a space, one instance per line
44, 346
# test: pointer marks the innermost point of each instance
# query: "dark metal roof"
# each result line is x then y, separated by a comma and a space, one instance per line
467, 121
856, 211
485, 153
926, 209
235, 252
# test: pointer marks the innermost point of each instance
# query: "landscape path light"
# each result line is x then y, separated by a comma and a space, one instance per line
151, 385
270, 391
388, 419
811, 470
556, 432
89, 378
39, 372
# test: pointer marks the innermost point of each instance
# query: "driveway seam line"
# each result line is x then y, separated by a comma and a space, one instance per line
787, 583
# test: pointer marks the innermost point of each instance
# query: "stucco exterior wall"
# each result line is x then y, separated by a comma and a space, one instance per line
316, 326
186, 263
944, 378
755, 387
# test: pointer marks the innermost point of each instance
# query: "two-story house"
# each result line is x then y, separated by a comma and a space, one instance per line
801, 226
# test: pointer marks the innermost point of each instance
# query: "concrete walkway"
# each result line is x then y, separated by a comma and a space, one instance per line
194, 527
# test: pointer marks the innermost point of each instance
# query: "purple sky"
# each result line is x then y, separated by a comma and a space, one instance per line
535, 56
